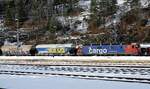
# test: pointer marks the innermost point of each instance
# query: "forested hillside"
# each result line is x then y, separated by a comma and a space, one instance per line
80, 21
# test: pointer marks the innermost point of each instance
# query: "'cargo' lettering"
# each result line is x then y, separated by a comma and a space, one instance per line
97, 51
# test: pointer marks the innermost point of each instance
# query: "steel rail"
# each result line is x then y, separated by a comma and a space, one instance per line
106, 78
117, 65
81, 72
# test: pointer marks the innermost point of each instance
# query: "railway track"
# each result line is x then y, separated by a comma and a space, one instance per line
125, 74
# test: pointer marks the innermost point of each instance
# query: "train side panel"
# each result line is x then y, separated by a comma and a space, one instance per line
54, 49
131, 50
103, 49
11, 50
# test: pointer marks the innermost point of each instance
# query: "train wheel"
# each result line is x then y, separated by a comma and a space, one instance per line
33, 51
1, 53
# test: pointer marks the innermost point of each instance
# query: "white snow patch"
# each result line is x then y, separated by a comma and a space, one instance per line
121, 1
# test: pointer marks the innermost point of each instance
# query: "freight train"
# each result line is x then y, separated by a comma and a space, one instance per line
133, 49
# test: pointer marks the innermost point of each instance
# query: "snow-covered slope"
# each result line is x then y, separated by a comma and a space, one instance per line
145, 3
78, 23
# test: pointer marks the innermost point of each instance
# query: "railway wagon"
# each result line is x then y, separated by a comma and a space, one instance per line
55, 49
13, 50
145, 49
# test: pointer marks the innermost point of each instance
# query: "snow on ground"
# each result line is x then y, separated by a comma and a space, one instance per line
121, 1
85, 4
145, 3
55, 82
77, 23
81, 71
78, 58
123, 8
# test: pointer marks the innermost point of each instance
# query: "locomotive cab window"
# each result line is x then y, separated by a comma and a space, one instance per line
133, 46
1, 52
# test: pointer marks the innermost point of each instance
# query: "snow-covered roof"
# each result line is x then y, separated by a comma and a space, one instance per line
145, 45
54, 45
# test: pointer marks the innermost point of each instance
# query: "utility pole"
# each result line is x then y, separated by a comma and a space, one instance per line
51, 15
17, 21
50, 9
18, 41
